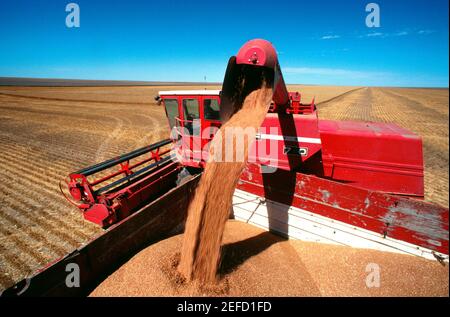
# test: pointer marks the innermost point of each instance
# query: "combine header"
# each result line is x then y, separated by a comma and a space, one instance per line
351, 183
134, 179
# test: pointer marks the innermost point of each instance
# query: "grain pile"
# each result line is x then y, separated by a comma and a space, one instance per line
211, 205
259, 263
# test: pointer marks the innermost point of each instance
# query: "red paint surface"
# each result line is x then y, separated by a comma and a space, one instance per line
409, 220
376, 156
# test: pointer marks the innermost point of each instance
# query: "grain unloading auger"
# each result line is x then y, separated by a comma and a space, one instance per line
351, 183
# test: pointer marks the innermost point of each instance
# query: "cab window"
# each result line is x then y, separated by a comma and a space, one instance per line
191, 110
191, 116
171, 106
212, 110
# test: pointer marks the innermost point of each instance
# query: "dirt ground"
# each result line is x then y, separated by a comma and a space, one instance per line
46, 133
258, 263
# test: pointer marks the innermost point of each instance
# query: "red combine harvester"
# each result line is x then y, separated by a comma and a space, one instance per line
351, 183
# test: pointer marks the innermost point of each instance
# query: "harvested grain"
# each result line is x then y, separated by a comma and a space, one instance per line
259, 263
211, 205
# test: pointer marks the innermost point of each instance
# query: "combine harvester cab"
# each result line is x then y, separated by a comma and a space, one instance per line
194, 118
357, 184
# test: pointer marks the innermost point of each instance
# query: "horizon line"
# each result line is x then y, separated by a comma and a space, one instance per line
76, 82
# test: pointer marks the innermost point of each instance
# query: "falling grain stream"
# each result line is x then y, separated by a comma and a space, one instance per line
211, 205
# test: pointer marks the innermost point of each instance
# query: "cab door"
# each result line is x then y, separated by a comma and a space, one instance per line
211, 121
191, 118
171, 106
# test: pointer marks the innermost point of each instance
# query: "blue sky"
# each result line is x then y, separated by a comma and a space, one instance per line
319, 42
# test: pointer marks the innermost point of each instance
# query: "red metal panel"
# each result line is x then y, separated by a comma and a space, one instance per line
281, 131
409, 220
377, 156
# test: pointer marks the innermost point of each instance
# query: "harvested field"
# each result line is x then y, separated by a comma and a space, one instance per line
145, 94
43, 140
258, 263
46, 133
